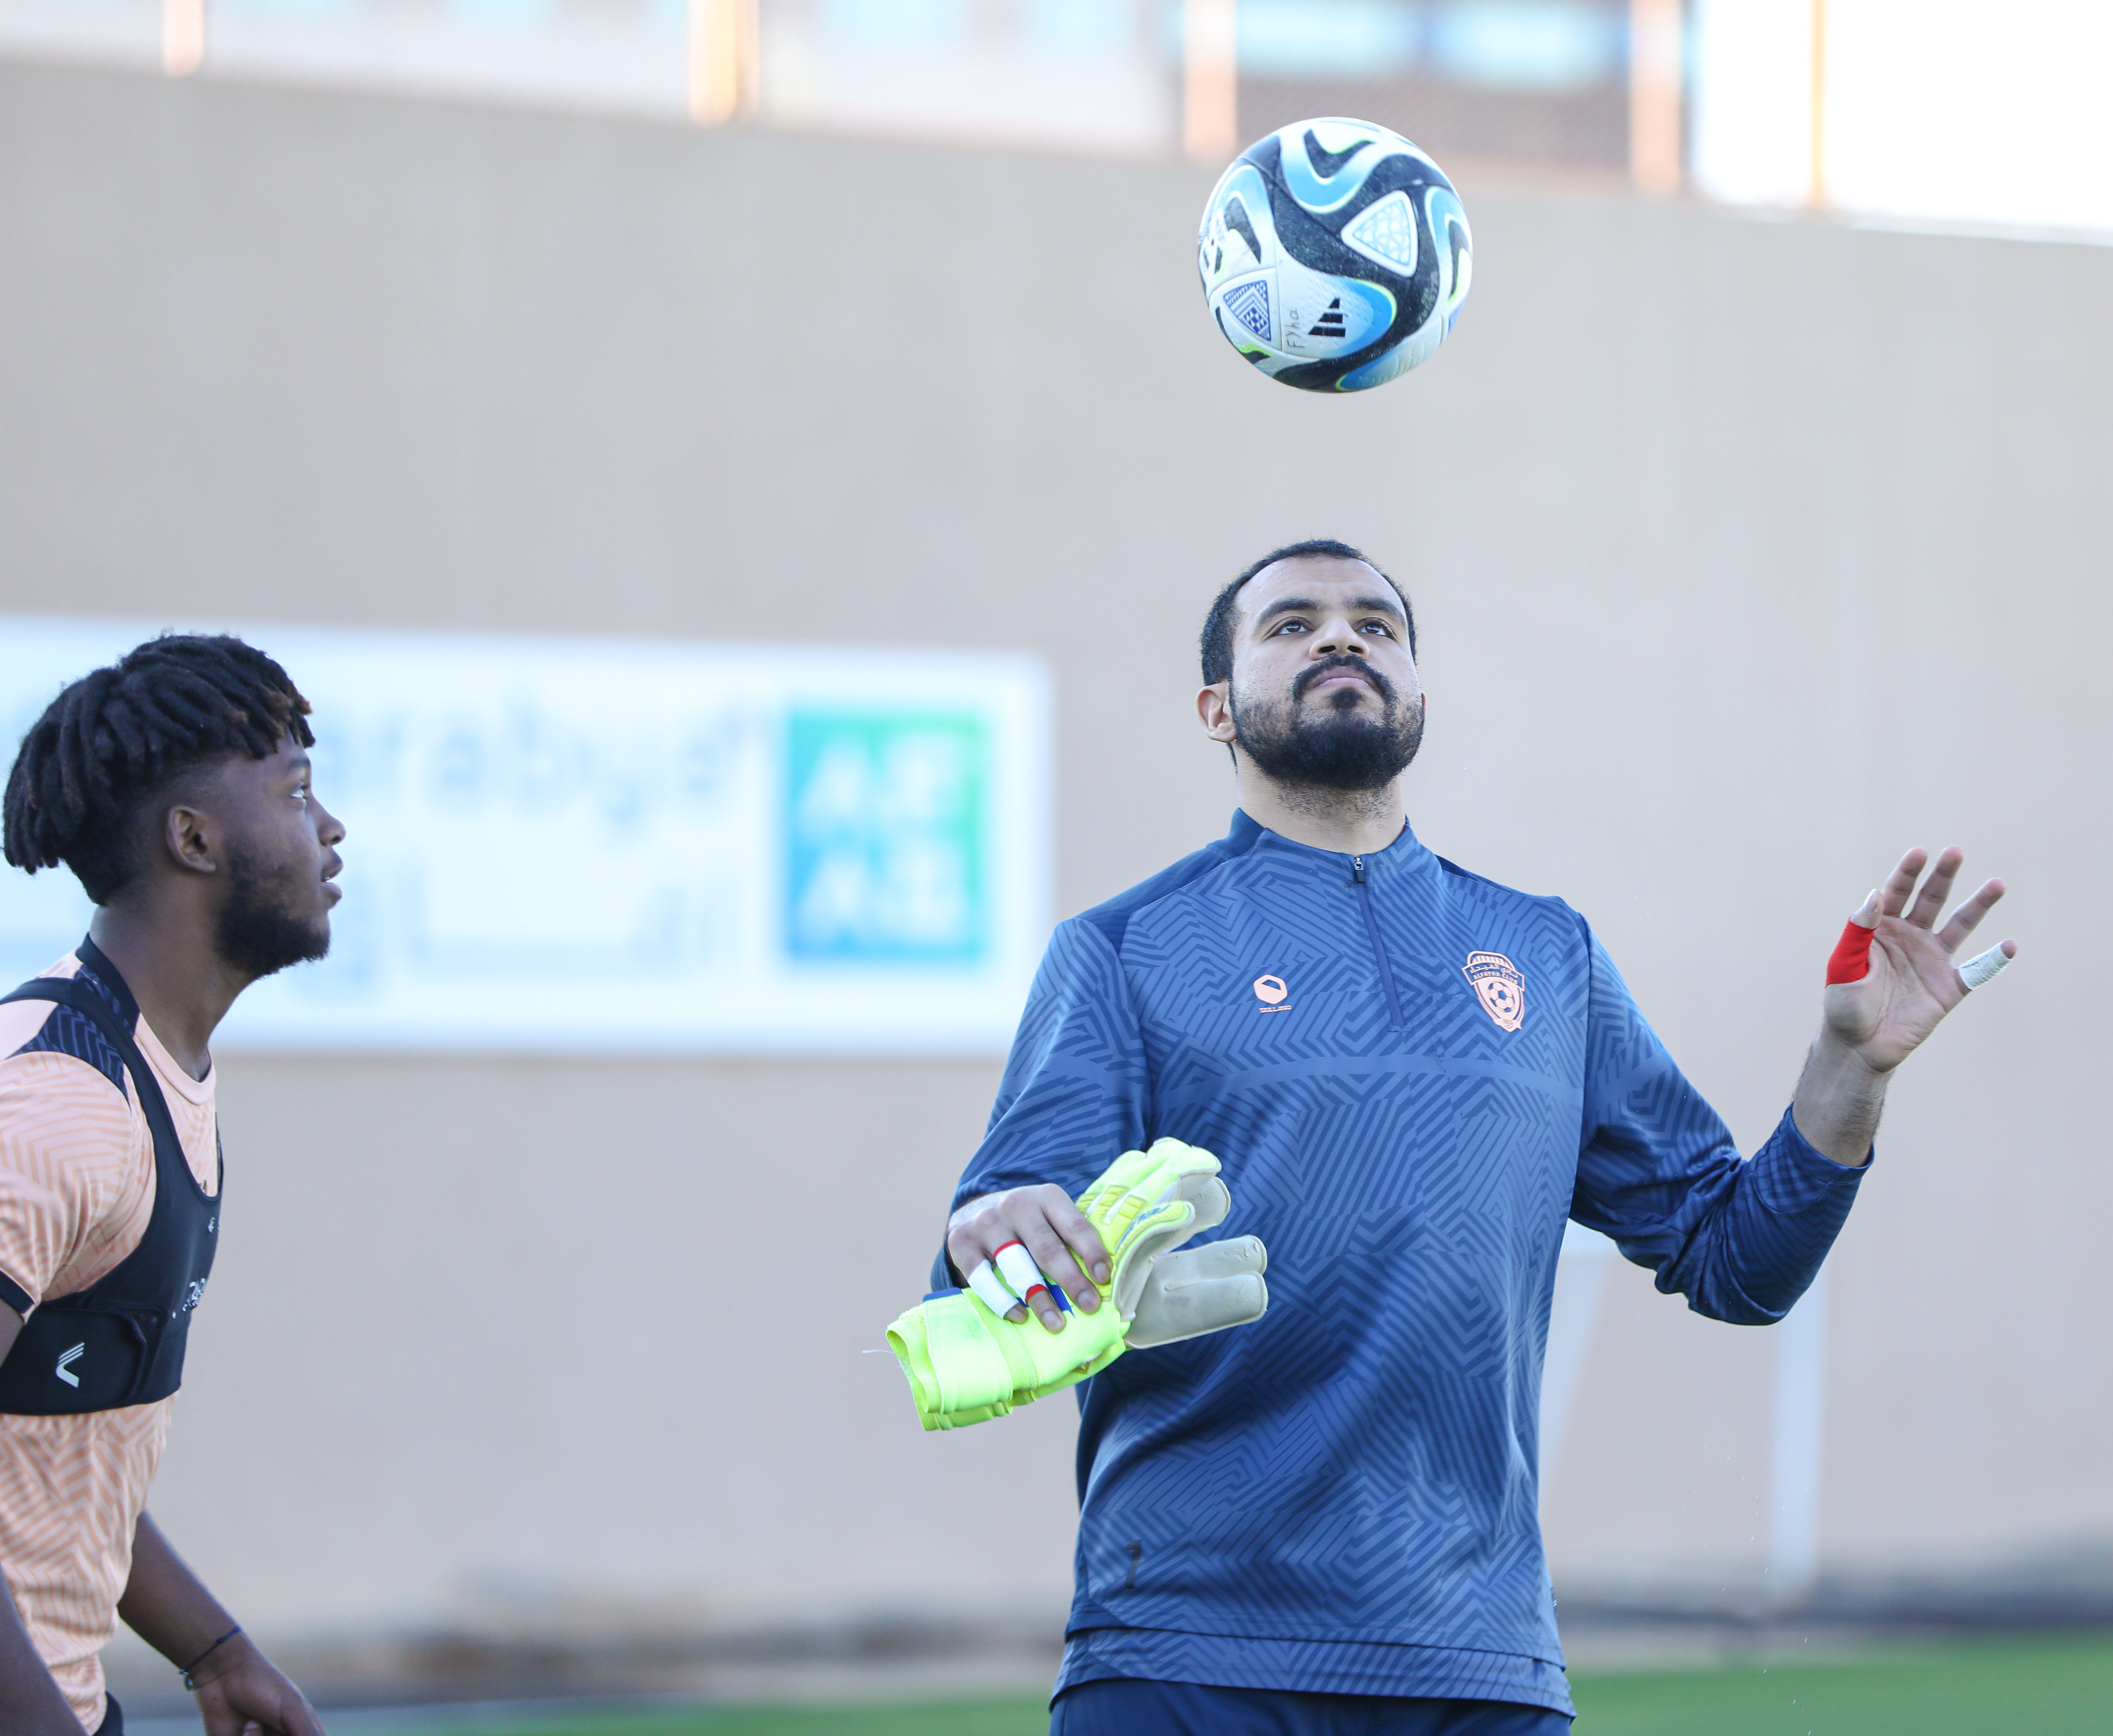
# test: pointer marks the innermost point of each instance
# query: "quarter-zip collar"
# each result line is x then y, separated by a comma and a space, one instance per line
1248, 833
1363, 869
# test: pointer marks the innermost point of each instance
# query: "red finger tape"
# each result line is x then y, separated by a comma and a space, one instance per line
1019, 1267
1851, 963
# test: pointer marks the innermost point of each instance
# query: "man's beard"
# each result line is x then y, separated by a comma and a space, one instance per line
1341, 749
259, 933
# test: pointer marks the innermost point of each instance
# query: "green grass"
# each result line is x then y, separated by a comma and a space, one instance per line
2018, 1688
1992, 1688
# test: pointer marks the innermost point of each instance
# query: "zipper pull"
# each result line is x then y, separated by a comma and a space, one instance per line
1357, 869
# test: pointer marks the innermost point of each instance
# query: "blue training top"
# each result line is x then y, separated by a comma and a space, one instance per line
1413, 1077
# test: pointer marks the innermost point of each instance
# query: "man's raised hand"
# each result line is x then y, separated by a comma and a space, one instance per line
1042, 1224
1910, 977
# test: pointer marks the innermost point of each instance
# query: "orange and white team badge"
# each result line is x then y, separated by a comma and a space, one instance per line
1498, 986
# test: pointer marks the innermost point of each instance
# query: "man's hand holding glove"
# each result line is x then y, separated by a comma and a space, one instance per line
967, 1362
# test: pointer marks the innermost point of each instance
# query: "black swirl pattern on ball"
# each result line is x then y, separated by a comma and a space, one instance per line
1316, 242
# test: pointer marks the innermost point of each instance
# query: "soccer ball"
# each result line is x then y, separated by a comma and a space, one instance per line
1334, 255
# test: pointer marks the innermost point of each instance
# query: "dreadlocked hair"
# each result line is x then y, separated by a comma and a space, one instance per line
118, 737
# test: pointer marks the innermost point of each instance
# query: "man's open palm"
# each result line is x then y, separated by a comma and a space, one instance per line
1913, 976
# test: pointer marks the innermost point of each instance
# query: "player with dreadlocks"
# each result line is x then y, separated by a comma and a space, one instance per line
175, 785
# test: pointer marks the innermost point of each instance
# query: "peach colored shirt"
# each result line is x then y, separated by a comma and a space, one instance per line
76, 1189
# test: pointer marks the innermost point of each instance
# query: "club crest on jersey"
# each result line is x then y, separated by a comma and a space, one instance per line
1498, 987
1271, 991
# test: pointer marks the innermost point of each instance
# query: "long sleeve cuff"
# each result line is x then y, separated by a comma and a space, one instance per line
1794, 1175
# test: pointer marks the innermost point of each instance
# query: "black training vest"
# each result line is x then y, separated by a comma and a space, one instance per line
120, 1342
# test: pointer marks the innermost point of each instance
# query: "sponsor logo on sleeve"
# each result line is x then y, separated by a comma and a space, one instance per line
1498, 986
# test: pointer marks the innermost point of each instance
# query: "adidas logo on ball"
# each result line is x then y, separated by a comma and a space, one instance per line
1330, 325
1343, 216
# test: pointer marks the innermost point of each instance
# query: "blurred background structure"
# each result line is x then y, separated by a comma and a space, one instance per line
1919, 109
543, 377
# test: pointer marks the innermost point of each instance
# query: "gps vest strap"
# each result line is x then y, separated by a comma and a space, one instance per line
121, 1341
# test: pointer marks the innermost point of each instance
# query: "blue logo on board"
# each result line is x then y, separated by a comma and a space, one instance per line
885, 838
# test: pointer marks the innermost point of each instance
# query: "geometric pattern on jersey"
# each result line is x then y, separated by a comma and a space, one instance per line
67, 1032
1156, 1654
1359, 1484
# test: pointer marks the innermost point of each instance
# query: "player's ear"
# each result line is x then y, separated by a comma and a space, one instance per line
191, 836
1214, 707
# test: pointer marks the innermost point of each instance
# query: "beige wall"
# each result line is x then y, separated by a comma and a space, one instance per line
1747, 554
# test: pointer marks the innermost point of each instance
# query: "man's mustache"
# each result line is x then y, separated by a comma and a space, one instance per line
1341, 660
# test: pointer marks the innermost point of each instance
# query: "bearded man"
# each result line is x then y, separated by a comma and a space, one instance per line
1327, 1521
175, 785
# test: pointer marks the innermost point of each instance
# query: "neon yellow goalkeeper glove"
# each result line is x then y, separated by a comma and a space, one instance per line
966, 1363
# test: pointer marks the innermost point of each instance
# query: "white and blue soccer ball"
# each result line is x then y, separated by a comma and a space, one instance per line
1335, 255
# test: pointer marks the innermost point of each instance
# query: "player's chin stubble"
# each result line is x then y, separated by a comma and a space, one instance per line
258, 932
1338, 749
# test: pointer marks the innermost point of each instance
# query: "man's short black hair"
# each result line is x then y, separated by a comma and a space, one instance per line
121, 736
1217, 636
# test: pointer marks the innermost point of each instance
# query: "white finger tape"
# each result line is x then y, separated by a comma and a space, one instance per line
990, 1289
1982, 967
1016, 1266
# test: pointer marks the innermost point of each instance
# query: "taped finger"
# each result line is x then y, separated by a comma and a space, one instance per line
1851, 959
1984, 967
990, 1289
1016, 1266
